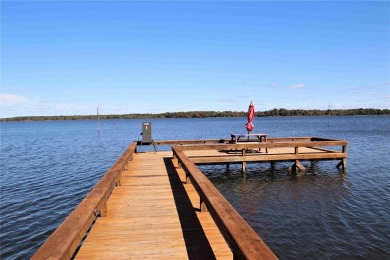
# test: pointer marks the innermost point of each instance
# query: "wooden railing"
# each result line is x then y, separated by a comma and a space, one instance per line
189, 142
242, 239
271, 143
64, 241
297, 143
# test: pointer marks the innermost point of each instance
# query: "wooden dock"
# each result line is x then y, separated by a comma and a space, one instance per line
160, 205
153, 215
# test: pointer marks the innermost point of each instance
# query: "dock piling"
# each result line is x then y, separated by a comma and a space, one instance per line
243, 163
296, 167
243, 169
342, 164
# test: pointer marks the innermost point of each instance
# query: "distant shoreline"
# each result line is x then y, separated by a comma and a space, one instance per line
209, 114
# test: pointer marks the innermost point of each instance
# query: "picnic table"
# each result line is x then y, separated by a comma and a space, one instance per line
260, 137
249, 137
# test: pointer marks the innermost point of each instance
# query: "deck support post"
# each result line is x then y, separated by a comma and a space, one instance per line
296, 167
227, 167
243, 169
243, 163
342, 164
272, 166
313, 163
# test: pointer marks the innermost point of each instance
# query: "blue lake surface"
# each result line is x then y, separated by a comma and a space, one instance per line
48, 167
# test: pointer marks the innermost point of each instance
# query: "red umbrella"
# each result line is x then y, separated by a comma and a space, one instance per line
251, 114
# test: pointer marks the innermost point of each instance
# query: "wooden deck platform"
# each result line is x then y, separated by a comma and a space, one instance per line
160, 205
153, 215
294, 149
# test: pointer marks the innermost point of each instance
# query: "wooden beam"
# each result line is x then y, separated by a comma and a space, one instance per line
191, 142
267, 157
220, 144
243, 240
258, 145
64, 241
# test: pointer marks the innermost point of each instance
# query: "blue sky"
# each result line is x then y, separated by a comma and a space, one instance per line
69, 57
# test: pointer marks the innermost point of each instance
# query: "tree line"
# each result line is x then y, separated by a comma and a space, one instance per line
206, 114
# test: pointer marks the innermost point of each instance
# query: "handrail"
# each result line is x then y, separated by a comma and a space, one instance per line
242, 239
268, 144
187, 142
64, 241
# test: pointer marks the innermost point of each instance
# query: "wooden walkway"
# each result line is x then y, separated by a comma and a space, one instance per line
154, 205
152, 214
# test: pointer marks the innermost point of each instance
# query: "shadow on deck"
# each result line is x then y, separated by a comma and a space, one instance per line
197, 244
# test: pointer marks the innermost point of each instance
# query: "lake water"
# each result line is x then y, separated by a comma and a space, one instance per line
47, 168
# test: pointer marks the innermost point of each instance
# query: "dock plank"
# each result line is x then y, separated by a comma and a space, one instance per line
154, 215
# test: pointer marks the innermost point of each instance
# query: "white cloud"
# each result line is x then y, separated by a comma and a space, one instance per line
300, 85
12, 99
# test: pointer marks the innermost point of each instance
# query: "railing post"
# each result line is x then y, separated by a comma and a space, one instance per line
103, 208
188, 179
175, 161
203, 207
343, 162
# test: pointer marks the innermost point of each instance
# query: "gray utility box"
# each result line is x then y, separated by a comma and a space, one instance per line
147, 133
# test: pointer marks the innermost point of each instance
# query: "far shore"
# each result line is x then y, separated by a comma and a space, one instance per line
209, 114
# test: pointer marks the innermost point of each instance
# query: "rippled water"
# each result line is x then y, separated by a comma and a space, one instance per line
47, 168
